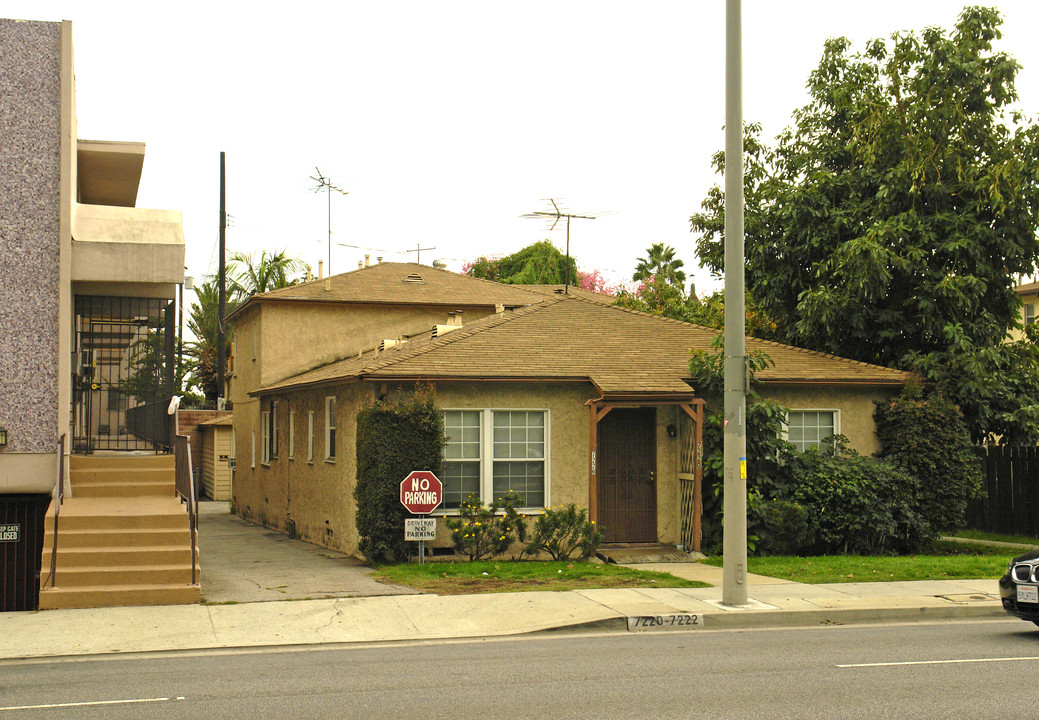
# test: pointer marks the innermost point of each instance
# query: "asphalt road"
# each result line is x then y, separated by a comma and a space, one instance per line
963, 670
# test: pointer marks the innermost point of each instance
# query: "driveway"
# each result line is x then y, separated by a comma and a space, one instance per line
242, 562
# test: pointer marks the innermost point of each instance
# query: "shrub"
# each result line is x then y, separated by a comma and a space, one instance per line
394, 437
926, 434
563, 532
481, 532
785, 528
856, 504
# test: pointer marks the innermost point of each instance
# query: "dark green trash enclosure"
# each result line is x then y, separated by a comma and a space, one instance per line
21, 545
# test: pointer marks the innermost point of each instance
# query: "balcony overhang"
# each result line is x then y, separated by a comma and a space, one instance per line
127, 251
109, 172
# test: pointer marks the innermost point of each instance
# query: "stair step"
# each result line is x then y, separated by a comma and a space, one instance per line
120, 460
123, 522
113, 538
70, 558
119, 595
126, 488
99, 576
120, 474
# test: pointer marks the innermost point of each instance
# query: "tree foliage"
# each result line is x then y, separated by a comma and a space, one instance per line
394, 437
538, 264
925, 434
888, 223
272, 270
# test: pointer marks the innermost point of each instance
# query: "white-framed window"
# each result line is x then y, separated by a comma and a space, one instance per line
1029, 314
808, 428
265, 447
292, 434
330, 428
269, 420
492, 452
310, 436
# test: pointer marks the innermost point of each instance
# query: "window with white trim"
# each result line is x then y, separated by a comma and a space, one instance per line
292, 434
265, 447
330, 428
1029, 314
492, 452
808, 428
310, 436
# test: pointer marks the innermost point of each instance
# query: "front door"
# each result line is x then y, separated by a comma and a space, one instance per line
627, 451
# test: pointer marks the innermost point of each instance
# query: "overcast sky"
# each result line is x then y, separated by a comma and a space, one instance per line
447, 120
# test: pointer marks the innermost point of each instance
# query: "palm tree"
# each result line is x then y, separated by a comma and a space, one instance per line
660, 263
202, 352
269, 272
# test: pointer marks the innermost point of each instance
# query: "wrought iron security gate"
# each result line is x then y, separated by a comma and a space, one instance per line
124, 363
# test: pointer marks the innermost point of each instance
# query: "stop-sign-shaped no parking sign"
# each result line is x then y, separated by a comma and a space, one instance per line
421, 492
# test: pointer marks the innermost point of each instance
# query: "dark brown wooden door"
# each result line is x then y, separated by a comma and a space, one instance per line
628, 475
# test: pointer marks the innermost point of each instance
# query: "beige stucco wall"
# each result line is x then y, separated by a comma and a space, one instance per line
855, 407
316, 495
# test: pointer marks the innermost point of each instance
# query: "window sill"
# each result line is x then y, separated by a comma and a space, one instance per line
330, 461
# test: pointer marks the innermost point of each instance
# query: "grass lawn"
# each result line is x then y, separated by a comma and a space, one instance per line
948, 561
980, 535
466, 578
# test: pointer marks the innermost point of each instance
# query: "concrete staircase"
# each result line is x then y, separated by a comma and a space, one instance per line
123, 536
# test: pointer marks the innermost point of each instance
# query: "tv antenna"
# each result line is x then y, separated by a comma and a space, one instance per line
418, 252
324, 183
557, 214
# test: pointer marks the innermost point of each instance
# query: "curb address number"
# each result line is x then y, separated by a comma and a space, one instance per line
674, 621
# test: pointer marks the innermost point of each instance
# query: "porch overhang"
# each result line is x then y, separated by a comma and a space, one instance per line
694, 408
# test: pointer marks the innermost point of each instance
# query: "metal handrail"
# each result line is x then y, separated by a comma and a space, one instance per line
188, 492
59, 498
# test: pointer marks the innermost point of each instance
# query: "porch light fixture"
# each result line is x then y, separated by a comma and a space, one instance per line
672, 431
3, 438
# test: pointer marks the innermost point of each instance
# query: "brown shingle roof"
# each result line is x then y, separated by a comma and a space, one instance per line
621, 351
401, 283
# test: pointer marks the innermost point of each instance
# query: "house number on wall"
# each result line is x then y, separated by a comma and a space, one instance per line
593, 462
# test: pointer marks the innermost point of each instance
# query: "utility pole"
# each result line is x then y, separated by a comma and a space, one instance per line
734, 562
221, 352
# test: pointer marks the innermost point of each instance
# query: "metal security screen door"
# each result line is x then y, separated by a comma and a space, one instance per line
124, 360
627, 475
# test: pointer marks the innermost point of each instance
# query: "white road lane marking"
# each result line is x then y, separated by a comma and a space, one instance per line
939, 662
92, 703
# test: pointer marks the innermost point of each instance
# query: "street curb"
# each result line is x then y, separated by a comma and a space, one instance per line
754, 619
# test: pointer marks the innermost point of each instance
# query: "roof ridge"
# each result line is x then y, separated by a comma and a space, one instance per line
474, 328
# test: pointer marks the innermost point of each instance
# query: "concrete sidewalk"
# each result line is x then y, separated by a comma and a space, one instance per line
248, 566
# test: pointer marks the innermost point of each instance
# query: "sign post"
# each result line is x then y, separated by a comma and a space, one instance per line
421, 492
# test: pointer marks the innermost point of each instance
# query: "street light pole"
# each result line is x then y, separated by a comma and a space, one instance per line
734, 568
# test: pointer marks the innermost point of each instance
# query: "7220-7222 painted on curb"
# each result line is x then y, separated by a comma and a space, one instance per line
672, 621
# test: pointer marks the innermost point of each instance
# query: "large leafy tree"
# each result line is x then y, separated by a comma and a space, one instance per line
889, 222
538, 264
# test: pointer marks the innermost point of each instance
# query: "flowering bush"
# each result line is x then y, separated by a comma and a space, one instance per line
481, 532
563, 532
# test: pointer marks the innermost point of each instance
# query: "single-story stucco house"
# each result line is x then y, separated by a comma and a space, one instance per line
563, 399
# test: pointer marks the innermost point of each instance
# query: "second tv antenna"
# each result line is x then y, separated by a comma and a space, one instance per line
556, 214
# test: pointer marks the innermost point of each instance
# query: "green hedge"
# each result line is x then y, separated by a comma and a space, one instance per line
394, 437
926, 434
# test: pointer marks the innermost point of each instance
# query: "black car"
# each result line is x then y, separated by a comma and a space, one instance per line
1019, 587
